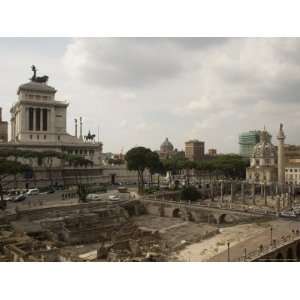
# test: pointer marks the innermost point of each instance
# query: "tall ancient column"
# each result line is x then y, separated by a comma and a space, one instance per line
253, 193
243, 192
281, 138
265, 194
75, 127
231, 194
221, 198
80, 128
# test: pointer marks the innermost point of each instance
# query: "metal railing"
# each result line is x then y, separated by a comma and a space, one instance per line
263, 250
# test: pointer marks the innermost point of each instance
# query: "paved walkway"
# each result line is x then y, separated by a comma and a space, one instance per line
280, 228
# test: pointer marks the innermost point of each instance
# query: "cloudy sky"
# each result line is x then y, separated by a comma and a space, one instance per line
141, 90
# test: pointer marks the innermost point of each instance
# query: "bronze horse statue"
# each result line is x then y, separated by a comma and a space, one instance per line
89, 136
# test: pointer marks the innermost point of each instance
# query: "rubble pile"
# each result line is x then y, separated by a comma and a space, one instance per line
131, 243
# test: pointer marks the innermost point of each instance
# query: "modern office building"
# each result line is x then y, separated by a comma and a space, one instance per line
247, 141
194, 150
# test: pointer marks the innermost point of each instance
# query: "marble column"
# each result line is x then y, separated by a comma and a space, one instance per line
253, 193
265, 195
290, 196
243, 192
34, 119
221, 191
277, 204
231, 193
280, 153
212, 191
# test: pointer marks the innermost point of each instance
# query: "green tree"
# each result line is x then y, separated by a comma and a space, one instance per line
137, 160
77, 162
190, 193
154, 166
8, 168
188, 165
47, 158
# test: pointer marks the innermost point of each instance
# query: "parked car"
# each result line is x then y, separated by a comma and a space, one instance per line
33, 192
9, 198
93, 197
288, 214
114, 197
20, 198
51, 191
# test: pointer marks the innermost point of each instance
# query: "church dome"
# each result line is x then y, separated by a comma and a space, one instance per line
36, 87
166, 146
264, 149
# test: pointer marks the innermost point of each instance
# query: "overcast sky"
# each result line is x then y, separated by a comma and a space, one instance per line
141, 90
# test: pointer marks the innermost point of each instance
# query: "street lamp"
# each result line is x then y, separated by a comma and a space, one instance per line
228, 251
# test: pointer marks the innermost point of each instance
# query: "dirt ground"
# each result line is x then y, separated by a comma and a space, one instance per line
176, 232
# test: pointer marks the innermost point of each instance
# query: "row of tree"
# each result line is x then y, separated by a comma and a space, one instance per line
140, 159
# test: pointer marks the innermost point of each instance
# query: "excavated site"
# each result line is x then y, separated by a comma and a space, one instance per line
96, 231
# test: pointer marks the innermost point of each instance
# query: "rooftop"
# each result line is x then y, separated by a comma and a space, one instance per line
36, 86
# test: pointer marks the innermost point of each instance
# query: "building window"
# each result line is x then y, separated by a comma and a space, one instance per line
45, 137
30, 118
38, 119
30, 136
58, 137
38, 97
45, 119
45, 97
38, 137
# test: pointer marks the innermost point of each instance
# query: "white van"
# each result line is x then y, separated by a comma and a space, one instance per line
33, 192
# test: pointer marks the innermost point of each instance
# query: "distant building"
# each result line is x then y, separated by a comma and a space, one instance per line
263, 161
292, 164
247, 141
166, 149
194, 150
212, 152
3, 129
269, 163
39, 123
